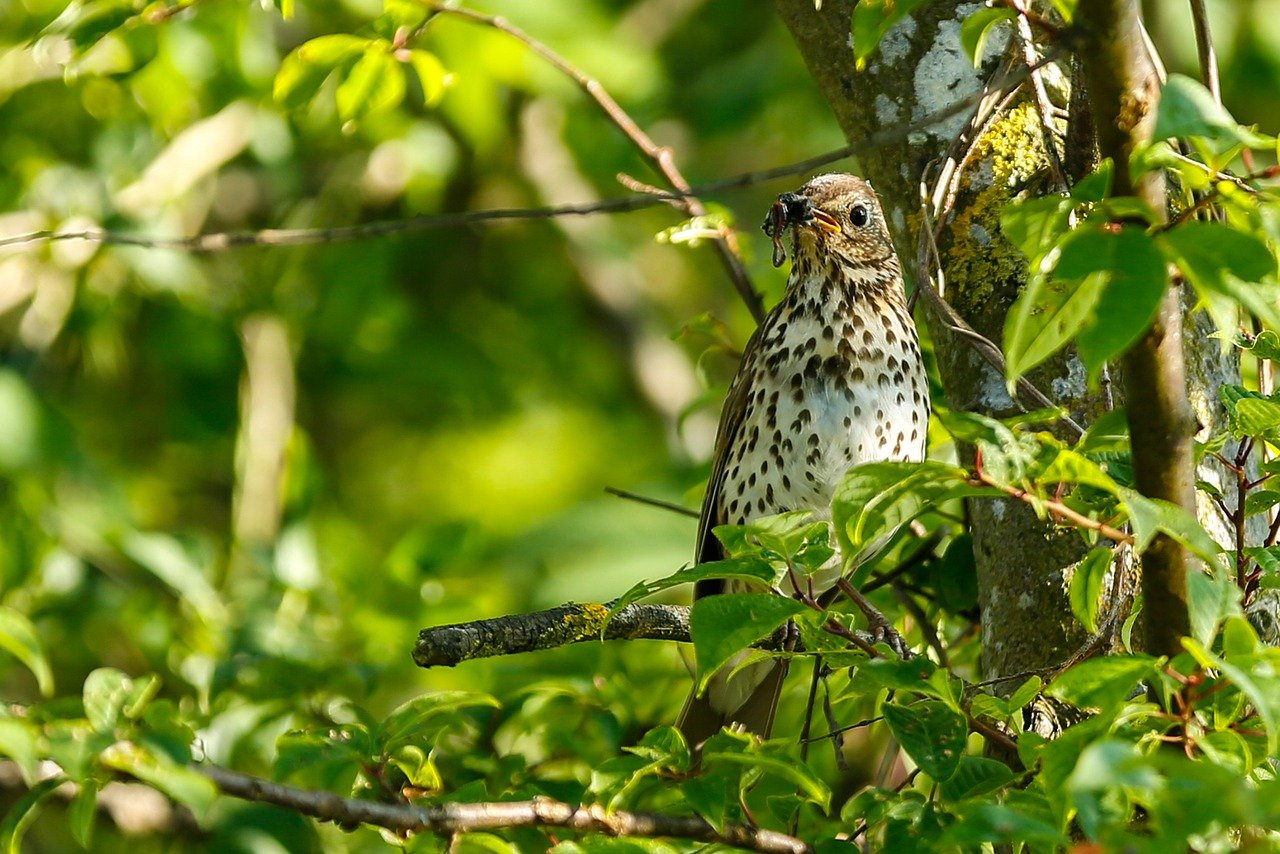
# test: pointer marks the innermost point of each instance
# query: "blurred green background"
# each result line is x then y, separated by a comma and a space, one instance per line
258, 473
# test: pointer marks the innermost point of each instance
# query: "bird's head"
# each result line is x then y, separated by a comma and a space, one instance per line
835, 215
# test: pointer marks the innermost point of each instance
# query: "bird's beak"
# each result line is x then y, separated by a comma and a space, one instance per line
826, 221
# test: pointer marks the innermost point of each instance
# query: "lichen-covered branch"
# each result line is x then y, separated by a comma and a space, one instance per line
560, 626
1125, 91
449, 819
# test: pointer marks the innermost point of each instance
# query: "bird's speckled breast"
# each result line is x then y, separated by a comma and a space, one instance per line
838, 381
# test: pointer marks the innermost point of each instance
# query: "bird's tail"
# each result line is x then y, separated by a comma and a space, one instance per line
743, 696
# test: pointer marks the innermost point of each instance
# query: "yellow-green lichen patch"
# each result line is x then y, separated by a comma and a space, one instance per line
1007, 157
584, 620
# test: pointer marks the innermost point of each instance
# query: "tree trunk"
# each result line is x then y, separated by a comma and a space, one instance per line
1024, 565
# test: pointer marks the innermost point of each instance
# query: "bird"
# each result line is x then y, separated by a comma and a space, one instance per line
832, 377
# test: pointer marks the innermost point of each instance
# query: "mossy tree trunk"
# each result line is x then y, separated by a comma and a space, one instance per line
1024, 565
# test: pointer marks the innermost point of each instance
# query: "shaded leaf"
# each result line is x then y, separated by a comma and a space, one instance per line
23, 812
931, 733
1086, 586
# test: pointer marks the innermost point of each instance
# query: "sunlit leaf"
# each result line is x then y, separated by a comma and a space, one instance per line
18, 636
872, 19
729, 623
375, 83
1188, 109
180, 782
976, 28
1102, 682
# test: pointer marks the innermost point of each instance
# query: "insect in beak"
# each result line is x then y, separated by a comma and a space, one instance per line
775, 225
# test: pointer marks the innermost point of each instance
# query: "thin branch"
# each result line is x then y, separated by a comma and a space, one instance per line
1056, 508
1043, 106
653, 502
1204, 50
227, 240
452, 818
725, 241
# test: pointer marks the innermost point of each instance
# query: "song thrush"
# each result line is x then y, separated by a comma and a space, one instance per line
832, 377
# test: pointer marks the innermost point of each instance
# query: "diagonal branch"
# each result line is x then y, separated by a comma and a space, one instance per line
725, 241
453, 818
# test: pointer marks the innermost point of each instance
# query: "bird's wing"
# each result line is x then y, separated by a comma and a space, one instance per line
731, 417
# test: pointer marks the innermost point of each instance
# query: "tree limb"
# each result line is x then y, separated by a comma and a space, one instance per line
560, 626
1124, 89
449, 819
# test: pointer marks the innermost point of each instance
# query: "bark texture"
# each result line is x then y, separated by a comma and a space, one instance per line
919, 69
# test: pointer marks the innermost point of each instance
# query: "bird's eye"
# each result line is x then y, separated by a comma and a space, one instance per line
859, 216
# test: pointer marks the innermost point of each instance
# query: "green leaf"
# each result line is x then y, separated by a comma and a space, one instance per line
1129, 300
1258, 416
871, 20
1210, 600
185, 785
976, 775
432, 77
665, 744
931, 733
1086, 586
18, 635
298, 81
997, 823
1035, 226
976, 28
81, 813
106, 690
333, 49
23, 812
875, 499
1150, 516
740, 568
1258, 678
789, 769
1102, 682
1187, 109
375, 84
328, 759
1264, 345
1095, 186
730, 622
1226, 266
1103, 291
19, 740
897, 674
414, 719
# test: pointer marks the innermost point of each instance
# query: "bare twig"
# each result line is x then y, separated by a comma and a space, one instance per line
451, 818
1204, 50
1056, 508
652, 502
227, 240
1043, 107
726, 241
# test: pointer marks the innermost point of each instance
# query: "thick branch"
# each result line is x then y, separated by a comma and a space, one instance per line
559, 626
449, 819
1124, 89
